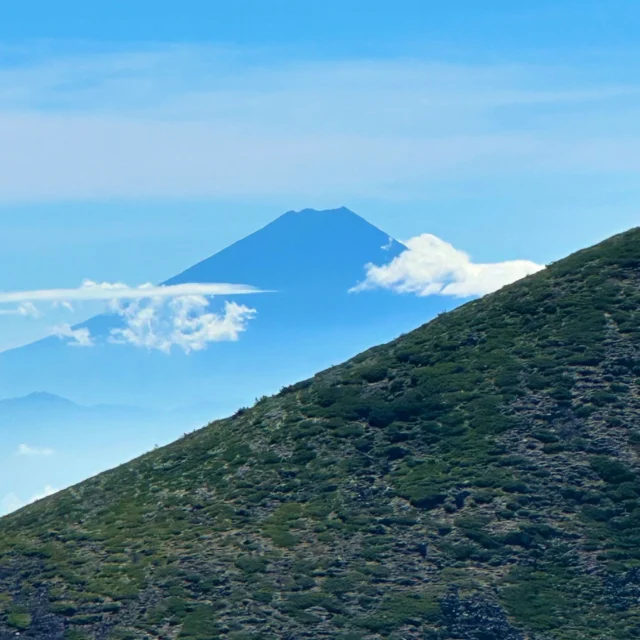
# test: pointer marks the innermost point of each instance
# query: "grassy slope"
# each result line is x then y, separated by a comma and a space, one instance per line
475, 479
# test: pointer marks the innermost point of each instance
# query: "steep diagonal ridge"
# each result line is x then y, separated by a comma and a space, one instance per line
475, 479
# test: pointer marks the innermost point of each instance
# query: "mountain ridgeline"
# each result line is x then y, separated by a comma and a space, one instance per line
475, 479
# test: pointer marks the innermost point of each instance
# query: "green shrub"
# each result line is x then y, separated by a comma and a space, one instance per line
19, 619
612, 471
251, 564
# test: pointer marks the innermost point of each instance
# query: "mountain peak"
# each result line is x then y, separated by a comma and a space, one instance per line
40, 400
43, 397
323, 249
339, 217
311, 212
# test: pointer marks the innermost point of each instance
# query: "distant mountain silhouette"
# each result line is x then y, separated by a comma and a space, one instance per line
36, 401
40, 404
310, 259
64, 412
300, 251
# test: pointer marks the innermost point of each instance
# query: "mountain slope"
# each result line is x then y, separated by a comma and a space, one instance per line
310, 258
475, 479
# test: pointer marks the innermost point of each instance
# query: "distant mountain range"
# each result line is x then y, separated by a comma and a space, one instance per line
41, 405
475, 479
309, 259
48, 403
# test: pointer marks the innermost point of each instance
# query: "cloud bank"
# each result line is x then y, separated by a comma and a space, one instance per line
431, 266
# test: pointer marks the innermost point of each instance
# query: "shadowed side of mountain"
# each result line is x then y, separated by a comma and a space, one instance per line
474, 479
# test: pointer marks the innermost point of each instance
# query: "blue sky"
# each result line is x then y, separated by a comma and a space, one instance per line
344, 27
139, 137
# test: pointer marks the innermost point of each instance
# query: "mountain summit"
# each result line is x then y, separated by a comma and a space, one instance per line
300, 251
475, 479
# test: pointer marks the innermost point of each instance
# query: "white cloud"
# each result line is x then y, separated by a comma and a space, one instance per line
63, 304
156, 317
182, 322
11, 502
28, 309
27, 450
432, 266
387, 246
25, 309
90, 290
77, 337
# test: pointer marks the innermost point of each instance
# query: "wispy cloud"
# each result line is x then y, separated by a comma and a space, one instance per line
79, 337
388, 245
27, 450
197, 121
431, 266
12, 502
90, 290
63, 304
26, 310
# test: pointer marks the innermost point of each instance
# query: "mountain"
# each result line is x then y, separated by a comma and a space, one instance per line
40, 405
475, 479
303, 251
41, 401
309, 259
36, 401
51, 441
